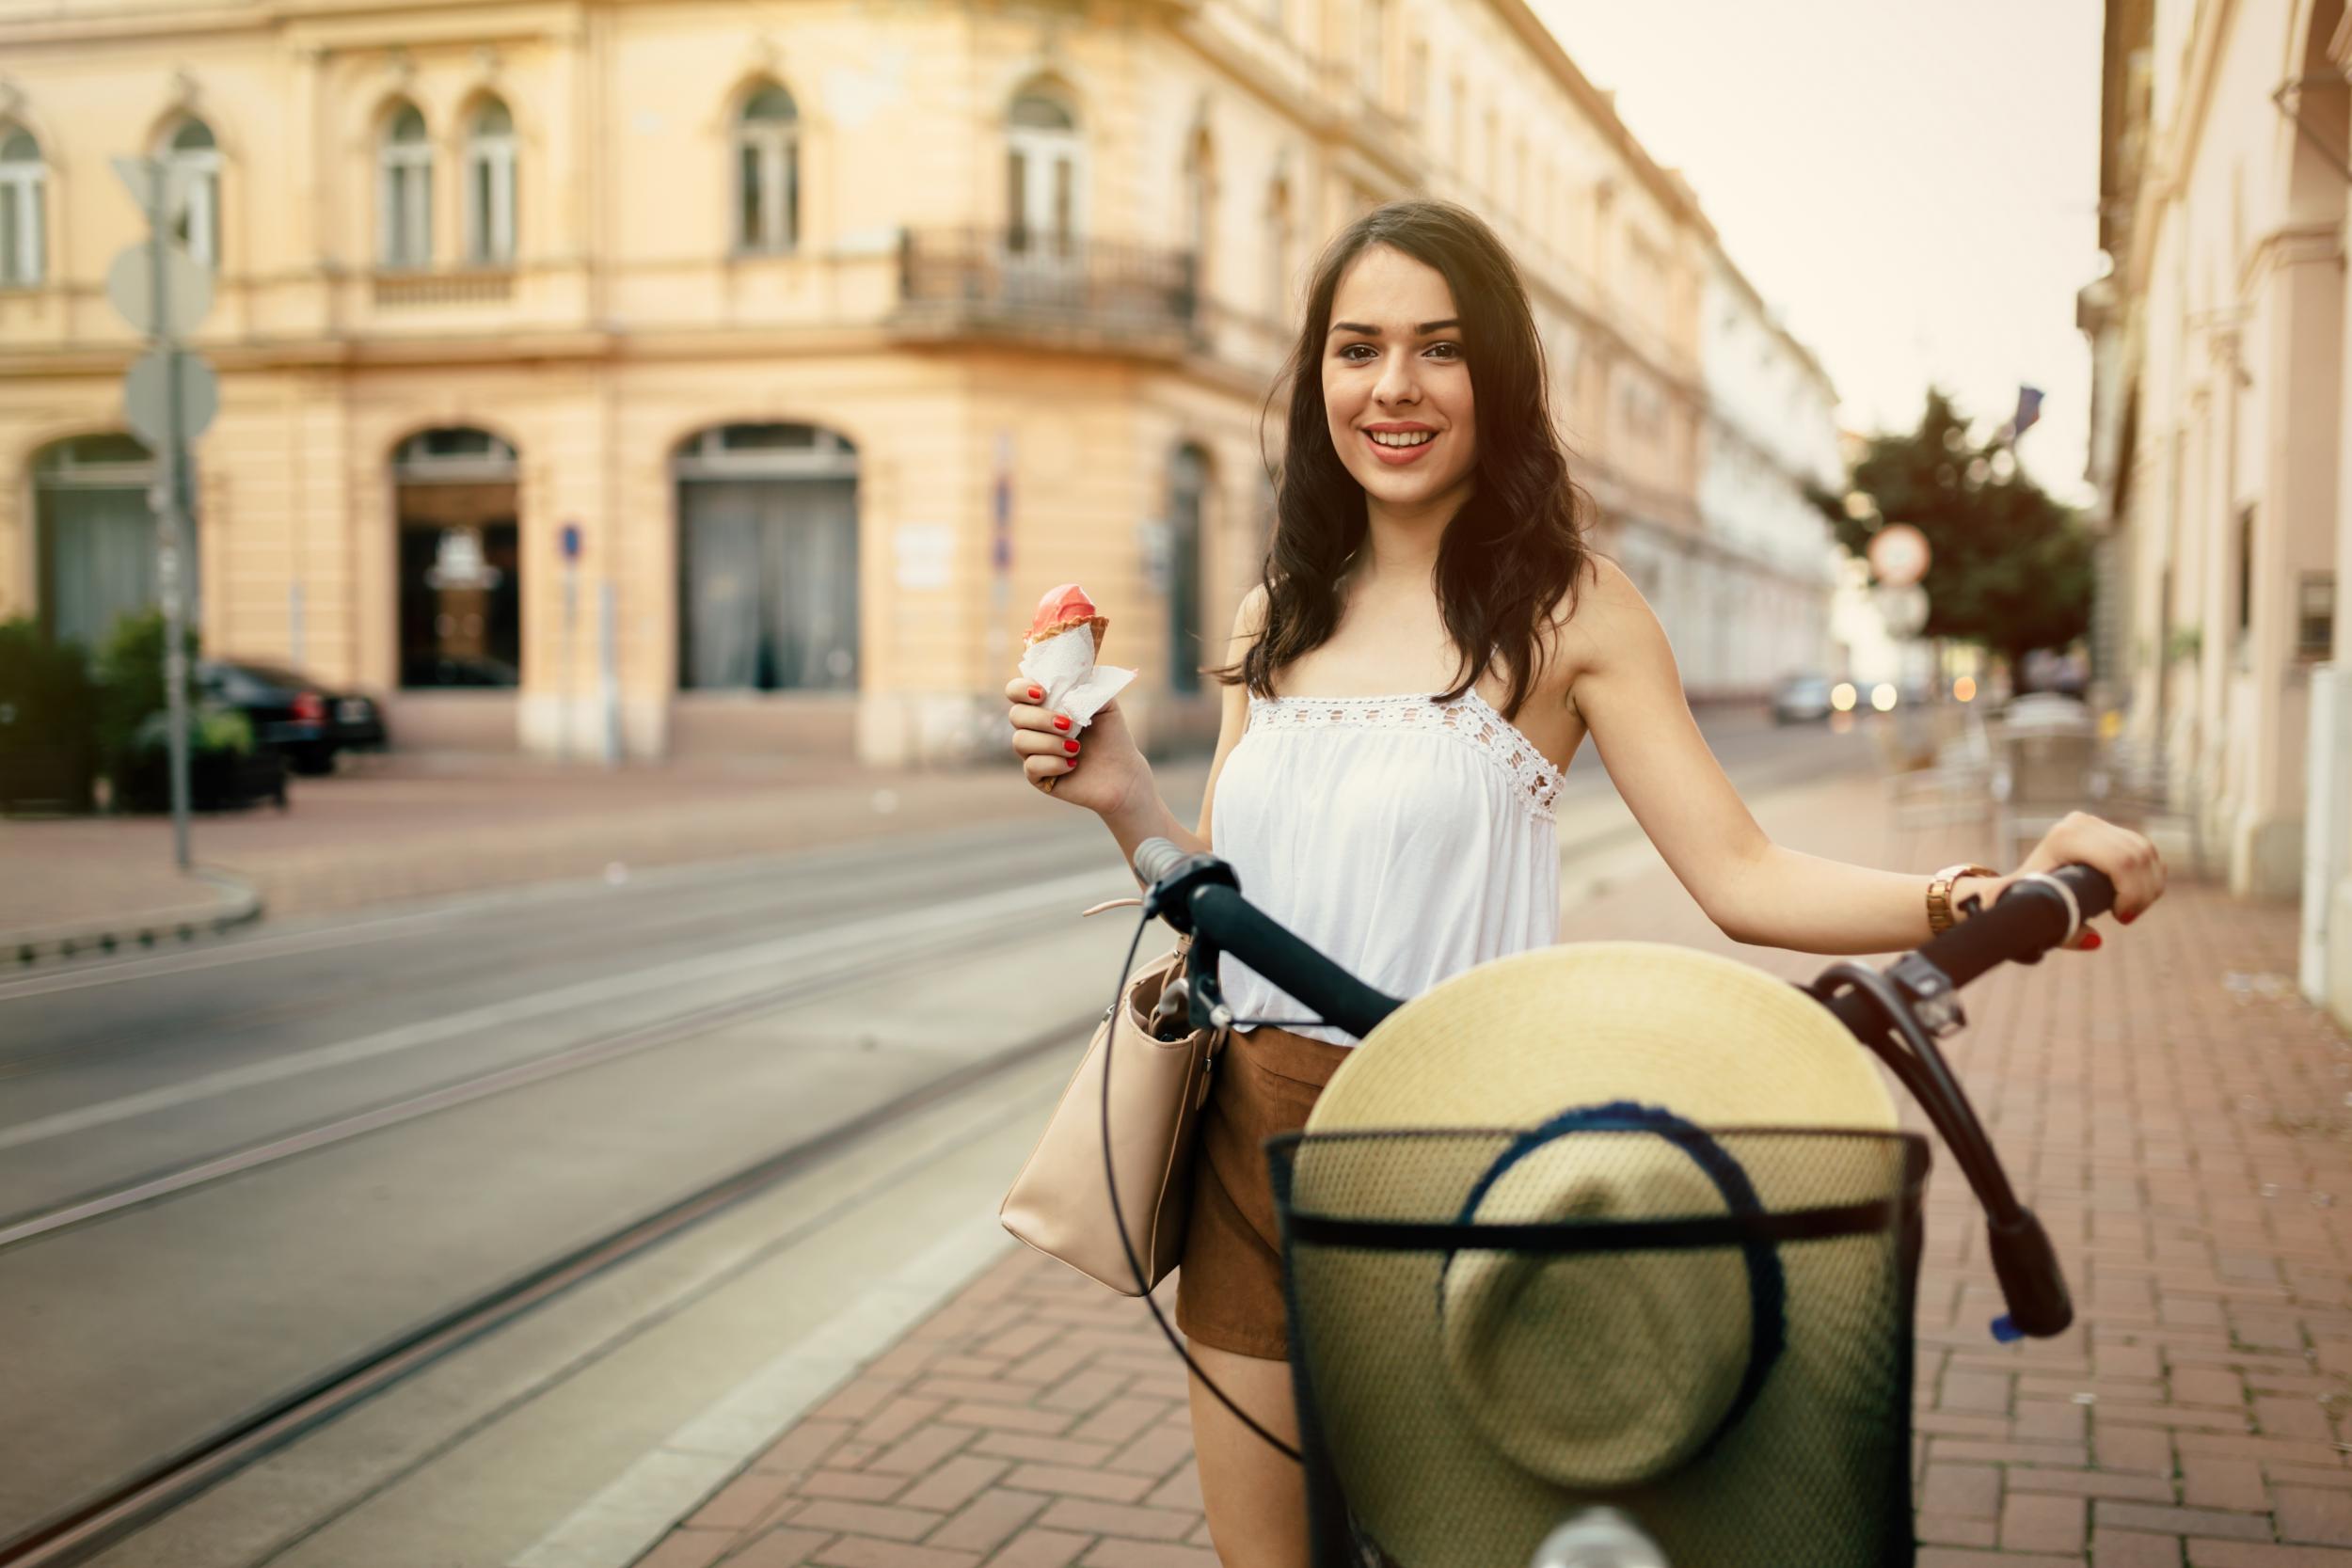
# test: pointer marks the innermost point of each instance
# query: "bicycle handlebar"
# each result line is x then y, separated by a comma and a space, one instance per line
2030, 919
1913, 997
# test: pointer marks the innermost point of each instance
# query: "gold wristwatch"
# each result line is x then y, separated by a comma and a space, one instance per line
1940, 917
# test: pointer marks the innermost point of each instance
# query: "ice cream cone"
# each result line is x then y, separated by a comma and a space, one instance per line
1098, 624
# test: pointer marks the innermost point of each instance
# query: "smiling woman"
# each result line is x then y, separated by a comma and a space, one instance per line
1444, 641
1386, 361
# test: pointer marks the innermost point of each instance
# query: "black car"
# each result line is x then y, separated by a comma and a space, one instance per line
305, 719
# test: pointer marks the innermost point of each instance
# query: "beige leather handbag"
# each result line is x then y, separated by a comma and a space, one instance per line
1059, 1203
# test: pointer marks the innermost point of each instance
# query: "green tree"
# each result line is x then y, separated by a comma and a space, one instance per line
2009, 567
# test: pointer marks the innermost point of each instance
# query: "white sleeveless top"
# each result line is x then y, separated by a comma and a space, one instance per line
1407, 840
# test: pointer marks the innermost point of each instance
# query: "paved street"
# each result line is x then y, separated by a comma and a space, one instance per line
229, 1169
2172, 1108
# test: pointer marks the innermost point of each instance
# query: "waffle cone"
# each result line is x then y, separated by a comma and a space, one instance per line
1098, 623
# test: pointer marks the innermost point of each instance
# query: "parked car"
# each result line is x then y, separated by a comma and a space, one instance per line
1801, 699
307, 720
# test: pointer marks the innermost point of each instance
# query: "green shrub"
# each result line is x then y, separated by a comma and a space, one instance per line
131, 687
48, 719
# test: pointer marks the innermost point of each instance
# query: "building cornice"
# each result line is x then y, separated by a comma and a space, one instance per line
328, 23
2289, 246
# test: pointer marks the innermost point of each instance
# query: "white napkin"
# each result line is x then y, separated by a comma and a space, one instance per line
1074, 684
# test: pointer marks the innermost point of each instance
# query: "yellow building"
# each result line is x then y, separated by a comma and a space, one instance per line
834, 333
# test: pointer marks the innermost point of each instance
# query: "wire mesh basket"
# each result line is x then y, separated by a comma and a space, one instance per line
1710, 1332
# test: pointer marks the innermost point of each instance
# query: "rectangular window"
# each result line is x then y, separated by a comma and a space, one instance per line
12, 234
2315, 616
484, 248
788, 220
407, 218
748, 183
1017, 200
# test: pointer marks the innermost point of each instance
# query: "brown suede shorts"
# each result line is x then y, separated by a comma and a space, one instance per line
1229, 1289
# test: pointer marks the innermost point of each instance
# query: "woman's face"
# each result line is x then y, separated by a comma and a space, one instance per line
1397, 385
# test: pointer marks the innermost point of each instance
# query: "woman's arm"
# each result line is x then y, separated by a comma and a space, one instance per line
1149, 817
1630, 697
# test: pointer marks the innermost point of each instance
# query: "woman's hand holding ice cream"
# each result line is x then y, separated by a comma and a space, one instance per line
1064, 708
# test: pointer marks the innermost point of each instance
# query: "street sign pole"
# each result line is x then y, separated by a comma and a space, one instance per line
171, 534
169, 399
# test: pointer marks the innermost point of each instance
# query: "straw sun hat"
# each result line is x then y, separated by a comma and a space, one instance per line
1470, 1400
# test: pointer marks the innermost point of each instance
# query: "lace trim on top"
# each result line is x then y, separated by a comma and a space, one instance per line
1471, 720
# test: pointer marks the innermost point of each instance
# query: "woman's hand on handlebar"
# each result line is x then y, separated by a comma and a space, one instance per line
1102, 774
2130, 862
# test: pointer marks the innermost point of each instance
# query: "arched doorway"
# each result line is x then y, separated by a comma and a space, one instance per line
767, 570
460, 559
95, 535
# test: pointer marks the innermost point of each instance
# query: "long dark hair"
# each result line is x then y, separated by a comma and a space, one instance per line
1515, 547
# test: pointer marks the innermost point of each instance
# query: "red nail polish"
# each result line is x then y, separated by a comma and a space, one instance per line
1069, 746
1035, 692
2127, 919
2092, 940
1061, 722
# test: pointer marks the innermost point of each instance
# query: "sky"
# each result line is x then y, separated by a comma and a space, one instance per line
1914, 186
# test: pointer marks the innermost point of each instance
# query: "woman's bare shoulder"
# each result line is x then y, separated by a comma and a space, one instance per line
1579, 619
1250, 620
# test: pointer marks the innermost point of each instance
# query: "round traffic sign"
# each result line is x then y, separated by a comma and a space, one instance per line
146, 395
187, 295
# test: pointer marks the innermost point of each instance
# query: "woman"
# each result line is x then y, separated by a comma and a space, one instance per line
1426, 513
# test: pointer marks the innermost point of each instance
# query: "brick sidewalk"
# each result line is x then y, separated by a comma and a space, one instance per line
2175, 1111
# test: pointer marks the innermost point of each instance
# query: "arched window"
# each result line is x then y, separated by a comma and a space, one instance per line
1042, 163
94, 538
768, 172
22, 178
406, 216
490, 187
193, 156
457, 492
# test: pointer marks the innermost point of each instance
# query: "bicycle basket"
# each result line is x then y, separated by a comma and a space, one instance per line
1709, 1331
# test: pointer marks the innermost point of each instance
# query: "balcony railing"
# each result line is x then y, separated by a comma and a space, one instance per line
468, 285
959, 280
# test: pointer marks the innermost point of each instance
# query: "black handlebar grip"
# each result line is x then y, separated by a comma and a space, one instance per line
1333, 994
2029, 919
2031, 1281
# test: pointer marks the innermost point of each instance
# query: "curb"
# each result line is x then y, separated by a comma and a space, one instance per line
235, 902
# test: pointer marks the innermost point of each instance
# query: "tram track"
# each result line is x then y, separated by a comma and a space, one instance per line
875, 892
17, 1231
89, 1526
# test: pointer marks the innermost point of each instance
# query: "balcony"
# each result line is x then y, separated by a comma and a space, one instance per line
468, 285
1075, 292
